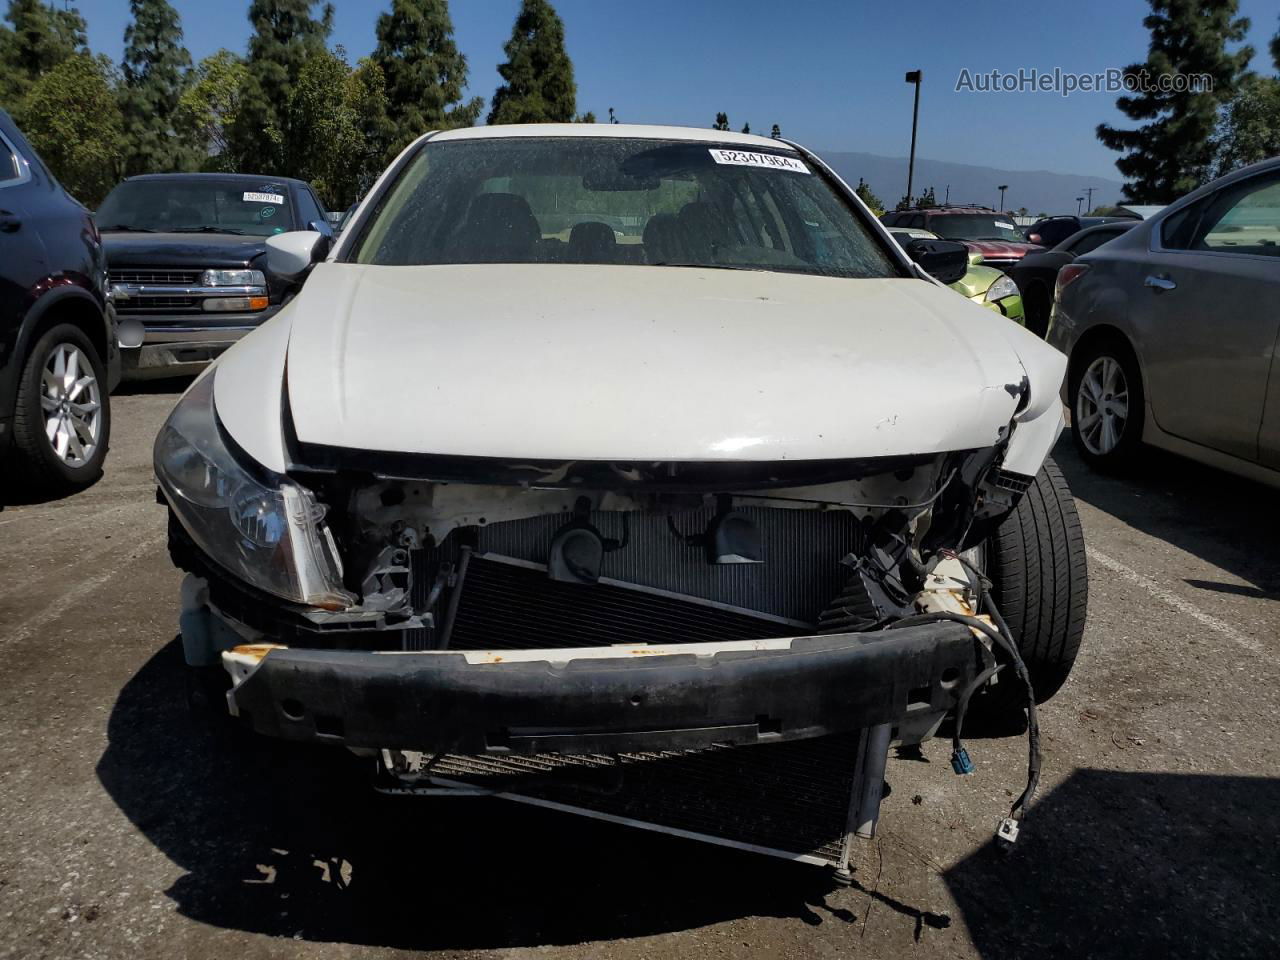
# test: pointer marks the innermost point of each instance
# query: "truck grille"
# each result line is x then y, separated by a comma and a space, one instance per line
178, 278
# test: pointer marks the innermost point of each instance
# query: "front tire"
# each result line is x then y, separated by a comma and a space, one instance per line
1107, 404
1040, 583
62, 418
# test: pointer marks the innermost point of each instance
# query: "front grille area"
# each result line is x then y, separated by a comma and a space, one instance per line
149, 304
791, 797
663, 589
504, 605
178, 278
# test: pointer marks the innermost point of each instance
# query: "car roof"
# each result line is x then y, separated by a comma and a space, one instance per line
255, 178
635, 131
1123, 223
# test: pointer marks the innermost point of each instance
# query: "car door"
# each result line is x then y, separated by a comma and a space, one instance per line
1208, 314
21, 253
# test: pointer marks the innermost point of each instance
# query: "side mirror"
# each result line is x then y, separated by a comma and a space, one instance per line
944, 260
291, 254
1034, 238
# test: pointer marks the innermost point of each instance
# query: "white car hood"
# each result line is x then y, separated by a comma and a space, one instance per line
588, 362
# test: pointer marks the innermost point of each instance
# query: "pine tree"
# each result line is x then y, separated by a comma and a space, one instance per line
285, 36
1173, 151
537, 78
155, 69
746, 128
41, 39
776, 132
722, 122
424, 72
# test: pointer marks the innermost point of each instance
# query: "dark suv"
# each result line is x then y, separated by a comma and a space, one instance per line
58, 355
187, 253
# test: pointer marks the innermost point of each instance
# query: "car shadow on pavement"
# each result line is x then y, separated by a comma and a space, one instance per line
1224, 520
1132, 865
291, 841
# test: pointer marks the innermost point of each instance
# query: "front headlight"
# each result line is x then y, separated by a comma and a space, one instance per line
258, 525
233, 278
1003, 287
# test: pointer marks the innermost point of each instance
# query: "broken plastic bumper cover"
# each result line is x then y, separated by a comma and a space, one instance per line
602, 699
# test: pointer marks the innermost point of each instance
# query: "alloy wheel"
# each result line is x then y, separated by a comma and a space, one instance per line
1102, 406
71, 402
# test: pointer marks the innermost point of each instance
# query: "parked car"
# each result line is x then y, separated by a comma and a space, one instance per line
58, 355
992, 234
1051, 231
187, 260
1036, 273
985, 286
694, 504
1172, 330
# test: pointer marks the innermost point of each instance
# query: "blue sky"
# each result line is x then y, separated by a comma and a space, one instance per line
828, 71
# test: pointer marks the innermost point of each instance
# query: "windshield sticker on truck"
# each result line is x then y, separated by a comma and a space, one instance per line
744, 158
253, 197
266, 213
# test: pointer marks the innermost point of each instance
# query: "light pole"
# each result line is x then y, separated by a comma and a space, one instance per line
1079, 200
1089, 192
1002, 188
913, 76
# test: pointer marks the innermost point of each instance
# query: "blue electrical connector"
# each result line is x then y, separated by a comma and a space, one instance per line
960, 762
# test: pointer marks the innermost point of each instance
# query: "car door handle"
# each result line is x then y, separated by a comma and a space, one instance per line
9, 221
1159, 283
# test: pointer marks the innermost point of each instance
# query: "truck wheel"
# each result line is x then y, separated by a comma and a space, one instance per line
62, 418
1040, 583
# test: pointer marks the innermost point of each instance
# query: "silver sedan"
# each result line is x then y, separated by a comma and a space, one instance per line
1172, 331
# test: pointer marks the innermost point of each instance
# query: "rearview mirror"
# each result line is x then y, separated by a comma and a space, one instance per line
292, 254
944, 260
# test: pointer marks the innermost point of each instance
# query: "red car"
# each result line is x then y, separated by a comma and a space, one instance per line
992, 234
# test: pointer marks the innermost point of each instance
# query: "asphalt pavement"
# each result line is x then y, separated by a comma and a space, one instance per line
128, 830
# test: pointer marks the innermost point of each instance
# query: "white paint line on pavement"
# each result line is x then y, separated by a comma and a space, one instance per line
1180, 604
68, 598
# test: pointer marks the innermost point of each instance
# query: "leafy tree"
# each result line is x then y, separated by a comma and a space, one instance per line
870, 199
776, 132
42, 37
538, 84
587, 117
285, 37
208, 107
72, 117
155, 69
926, 200
333, 111
722, 122
904, 203
1249, 130
1173, 151
424, 72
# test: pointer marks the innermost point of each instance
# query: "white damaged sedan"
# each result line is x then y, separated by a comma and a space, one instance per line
628, 471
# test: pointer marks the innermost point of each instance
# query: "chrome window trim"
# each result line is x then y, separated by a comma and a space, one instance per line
20, 164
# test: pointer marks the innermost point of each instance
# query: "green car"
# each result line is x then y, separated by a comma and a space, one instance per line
985, 286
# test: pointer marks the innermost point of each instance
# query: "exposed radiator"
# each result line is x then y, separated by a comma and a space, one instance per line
790, 799
800, 574
512, 605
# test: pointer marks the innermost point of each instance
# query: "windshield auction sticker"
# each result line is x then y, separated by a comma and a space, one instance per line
251, 197
744, 158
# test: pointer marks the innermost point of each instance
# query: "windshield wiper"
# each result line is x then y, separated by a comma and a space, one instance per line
239, 233
703, 266
125, 228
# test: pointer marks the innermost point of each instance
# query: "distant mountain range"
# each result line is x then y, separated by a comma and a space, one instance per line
1038, 190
